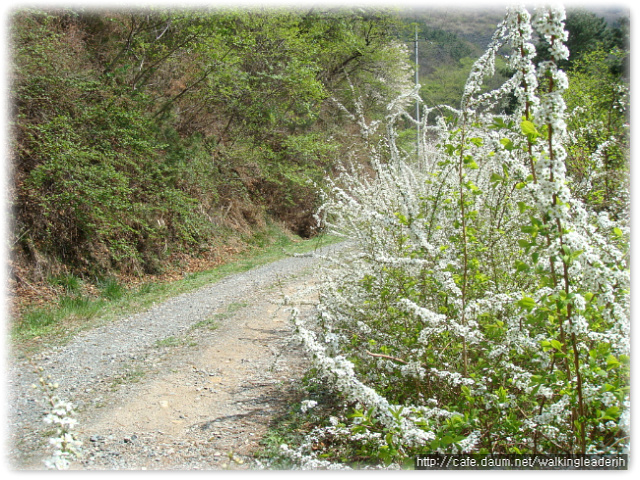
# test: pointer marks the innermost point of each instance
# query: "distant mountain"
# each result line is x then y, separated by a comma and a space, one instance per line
476, 24
610, 13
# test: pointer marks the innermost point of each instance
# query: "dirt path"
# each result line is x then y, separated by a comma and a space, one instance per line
190, 384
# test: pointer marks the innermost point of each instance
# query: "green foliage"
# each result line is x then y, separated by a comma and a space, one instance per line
598, 98
445, 84
143, 135
111, 289
112, 191
589, 32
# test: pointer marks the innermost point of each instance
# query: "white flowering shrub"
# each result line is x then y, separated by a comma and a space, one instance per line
481, 306
61, 415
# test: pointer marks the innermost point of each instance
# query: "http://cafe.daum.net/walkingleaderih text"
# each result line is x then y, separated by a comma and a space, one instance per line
521, 462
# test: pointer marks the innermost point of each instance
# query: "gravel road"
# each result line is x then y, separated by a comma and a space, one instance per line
189, 384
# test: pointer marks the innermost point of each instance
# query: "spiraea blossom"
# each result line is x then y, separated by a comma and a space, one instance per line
479, 305
61, 415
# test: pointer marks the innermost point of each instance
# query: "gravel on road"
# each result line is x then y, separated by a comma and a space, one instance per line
191, 383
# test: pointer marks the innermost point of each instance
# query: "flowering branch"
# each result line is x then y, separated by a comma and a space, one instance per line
66, 446
499, 302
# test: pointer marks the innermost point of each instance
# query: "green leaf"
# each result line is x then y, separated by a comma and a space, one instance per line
612, 362
528, 128
498, 123
507, 144
612, 412
447, 440
527, 303
469, 162
495, 178
403, 220
556, 344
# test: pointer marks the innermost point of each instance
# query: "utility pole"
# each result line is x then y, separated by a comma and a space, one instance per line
417, 101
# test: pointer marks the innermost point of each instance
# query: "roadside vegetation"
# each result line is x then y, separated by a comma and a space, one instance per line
152, 142
80, 305
485, 306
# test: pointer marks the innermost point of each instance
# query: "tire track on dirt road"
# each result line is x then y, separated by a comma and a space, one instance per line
189, 384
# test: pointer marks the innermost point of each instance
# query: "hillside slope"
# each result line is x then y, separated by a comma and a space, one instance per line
144, 138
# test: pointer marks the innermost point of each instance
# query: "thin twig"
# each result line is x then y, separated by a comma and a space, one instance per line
388, 357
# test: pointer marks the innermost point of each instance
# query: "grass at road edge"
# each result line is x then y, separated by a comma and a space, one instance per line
57, 323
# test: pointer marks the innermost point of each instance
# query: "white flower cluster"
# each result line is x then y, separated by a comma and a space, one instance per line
341, 374
66, 447
520, 32
550, 111
549, 23
465, 265
307, 405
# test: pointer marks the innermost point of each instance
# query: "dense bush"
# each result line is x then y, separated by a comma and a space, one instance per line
111, 203
145, 134
483, 307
